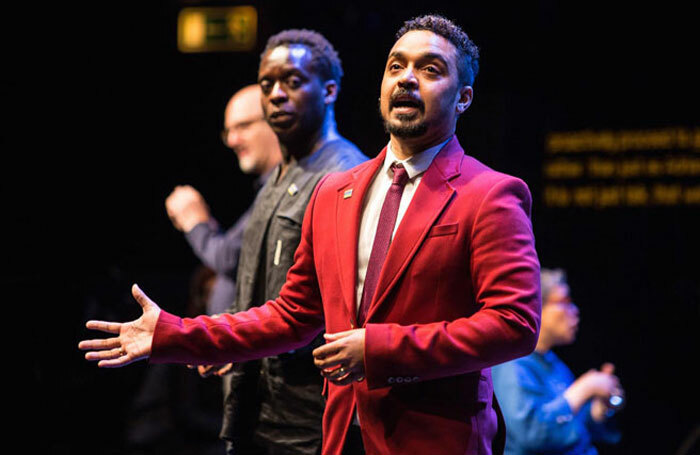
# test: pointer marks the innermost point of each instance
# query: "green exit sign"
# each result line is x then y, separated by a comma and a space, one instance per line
217, 29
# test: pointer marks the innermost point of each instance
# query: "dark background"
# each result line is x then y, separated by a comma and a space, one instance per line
106, 117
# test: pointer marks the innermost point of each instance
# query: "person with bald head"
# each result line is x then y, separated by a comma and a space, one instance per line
256, 146
247, 133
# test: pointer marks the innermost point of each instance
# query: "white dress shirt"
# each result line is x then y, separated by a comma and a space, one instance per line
415, 166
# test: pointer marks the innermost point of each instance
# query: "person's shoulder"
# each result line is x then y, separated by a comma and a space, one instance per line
526, 360
337, 155
342, 176
347, 155
453, 160
516, 369
477, 182
479, 174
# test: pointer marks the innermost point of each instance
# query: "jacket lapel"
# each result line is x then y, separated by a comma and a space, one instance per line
349, 201
431, 197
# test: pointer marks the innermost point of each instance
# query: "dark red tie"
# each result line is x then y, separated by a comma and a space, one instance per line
382, 239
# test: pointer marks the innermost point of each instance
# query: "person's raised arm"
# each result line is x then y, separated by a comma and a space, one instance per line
291, 321
186, 208
133, 341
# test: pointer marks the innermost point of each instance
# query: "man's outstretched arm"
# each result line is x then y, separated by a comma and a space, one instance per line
289, 322
134, 340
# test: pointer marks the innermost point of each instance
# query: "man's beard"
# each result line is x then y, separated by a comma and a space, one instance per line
405, 128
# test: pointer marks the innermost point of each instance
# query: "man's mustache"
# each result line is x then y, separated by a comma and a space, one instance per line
403, 97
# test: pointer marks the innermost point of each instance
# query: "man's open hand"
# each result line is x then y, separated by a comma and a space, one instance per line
134, 338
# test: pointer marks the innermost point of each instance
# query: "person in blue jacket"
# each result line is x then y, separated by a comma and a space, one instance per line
547, 409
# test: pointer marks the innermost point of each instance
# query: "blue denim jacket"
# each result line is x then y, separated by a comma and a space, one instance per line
538, 418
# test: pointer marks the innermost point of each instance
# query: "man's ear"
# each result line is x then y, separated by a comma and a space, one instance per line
330, 90
466, 95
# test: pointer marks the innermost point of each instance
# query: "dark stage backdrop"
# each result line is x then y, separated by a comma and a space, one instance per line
107, 117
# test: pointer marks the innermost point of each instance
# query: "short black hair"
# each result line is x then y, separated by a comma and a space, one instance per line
324, 58
467, 52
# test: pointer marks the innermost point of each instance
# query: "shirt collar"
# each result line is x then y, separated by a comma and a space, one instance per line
416, 164
263, 178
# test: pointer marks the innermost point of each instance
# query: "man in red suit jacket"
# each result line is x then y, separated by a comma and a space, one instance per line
457, 291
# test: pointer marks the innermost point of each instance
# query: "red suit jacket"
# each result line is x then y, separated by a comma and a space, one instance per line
459, 292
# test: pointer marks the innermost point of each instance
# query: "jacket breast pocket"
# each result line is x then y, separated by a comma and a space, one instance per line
443, 229
283, 239
286, 237
289, 222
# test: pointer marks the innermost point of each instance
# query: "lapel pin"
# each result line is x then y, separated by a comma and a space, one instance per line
293, 189
347, 193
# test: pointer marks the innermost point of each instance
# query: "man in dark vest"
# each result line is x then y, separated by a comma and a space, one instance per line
275, 406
